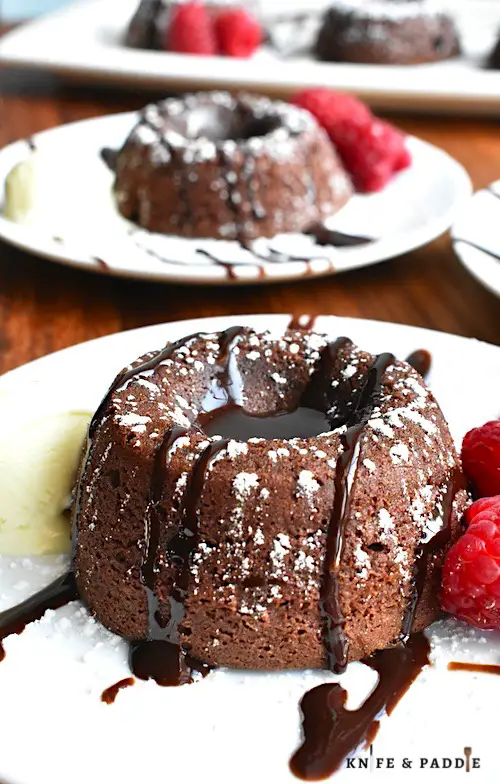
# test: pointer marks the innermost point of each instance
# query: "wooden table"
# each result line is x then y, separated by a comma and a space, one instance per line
45, 306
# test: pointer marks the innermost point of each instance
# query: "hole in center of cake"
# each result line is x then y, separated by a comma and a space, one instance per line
233, 422
219, 124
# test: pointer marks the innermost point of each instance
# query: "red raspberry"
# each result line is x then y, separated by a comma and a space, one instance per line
377, 154
471, 572
371, 150
404, 160
190, 30
343, 117
238, 32
481, 458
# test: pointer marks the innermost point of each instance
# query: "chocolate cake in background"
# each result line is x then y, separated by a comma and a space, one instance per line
393, 32
245, 549
494, 58
144, 30
233, 168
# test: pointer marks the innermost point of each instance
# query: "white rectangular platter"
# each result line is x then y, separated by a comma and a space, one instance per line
84, 41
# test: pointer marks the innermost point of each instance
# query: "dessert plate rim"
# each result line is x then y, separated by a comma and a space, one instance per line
471, 226
87, 673
111, 130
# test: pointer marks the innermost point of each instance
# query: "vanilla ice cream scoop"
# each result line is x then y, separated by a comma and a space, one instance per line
40, 194
38, 465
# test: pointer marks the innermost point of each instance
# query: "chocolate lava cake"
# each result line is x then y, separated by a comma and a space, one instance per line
266, 503
394, 32
234, 168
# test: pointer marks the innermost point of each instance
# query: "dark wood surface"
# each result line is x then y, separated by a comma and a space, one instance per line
46, 306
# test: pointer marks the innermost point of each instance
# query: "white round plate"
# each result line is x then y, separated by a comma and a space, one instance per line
78, 223
233, 726
476, 239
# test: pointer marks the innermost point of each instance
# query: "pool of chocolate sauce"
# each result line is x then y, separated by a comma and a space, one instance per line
233, 422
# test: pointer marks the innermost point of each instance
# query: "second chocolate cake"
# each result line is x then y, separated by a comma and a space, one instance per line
392, 32
212, 165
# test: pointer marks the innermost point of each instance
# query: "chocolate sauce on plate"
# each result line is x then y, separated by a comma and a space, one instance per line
109, 695
421, 361
336, 239
272, 256
480, 248
332, 733
57, 594
488, 669
109, 157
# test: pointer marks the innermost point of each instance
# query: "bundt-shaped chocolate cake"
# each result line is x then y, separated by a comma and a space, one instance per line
233, 168
397, 32
266, 503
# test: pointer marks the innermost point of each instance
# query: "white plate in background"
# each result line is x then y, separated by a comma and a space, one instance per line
85, 41
234, 726
476, 237
80, 225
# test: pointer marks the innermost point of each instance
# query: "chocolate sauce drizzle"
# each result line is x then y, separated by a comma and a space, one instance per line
109, 156
141, 658
161, 656
151, 363
336, 239
421, 361
332, 733
109, 695
273, 255
480, 248
487, 669
359, 408
57, 594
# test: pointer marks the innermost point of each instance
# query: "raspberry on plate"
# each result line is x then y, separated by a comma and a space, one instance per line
238, 32
191, 30
371, 150
341, 115
375, 157
471, 572
481, 458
